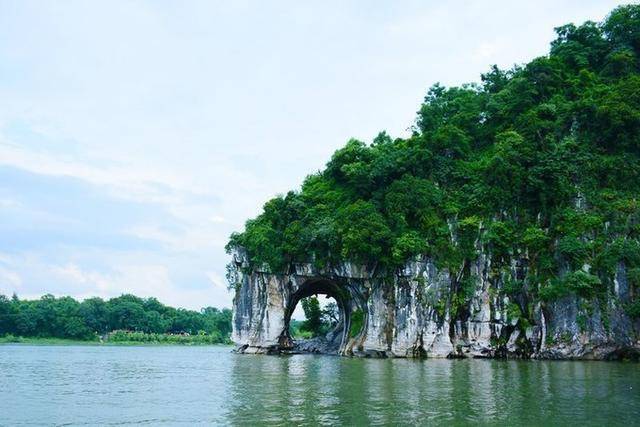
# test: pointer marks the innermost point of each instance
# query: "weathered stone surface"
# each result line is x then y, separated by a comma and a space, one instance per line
413, 313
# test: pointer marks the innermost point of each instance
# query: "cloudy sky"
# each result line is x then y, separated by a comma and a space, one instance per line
136, 136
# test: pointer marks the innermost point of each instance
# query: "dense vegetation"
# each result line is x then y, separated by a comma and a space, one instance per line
132, 318
538, 163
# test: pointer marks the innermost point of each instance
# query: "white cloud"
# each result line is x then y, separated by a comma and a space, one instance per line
10, 278
144, 280
99, 284
125, 180
192, 239
217, 219
217, 280
486, 50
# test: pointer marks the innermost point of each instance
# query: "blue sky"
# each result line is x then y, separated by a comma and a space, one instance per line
136, 136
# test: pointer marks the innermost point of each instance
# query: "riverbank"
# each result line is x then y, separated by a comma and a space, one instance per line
137, 339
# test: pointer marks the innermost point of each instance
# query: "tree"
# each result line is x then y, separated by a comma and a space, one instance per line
96, 314
330, 315
622, 27
126, 312
363, 231
8, 312
313, 315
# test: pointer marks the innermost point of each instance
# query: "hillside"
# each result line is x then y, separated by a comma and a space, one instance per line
539, 162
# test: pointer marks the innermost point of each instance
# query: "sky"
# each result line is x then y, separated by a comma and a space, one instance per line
136, 136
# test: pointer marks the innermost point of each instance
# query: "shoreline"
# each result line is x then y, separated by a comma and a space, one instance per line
96, 343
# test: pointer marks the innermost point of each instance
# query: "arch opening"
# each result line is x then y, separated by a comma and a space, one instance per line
314, 316
333, 338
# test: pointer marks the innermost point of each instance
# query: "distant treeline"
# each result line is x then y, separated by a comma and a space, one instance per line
51, 317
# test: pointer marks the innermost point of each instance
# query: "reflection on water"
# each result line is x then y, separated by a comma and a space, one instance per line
331, 390
209, 385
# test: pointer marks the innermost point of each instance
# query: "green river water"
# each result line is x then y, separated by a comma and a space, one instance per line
156, 385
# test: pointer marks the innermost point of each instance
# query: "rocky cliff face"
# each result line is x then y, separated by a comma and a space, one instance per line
418, 312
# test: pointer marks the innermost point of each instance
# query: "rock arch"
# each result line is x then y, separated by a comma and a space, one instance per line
264, 303
336, 339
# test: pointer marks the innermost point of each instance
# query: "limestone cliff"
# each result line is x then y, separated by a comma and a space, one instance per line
416, 312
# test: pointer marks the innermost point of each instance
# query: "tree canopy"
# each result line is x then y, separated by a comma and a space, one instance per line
65, 317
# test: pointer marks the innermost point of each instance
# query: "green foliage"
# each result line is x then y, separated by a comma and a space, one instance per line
363, 232
535, 240
357, 322
633, 309
538, 162
67, 318
633, 276
581, 320
579, 283
318, 321
441, 307
501, 237
574, 249
512, 286
407, 245
513, 312
296, 330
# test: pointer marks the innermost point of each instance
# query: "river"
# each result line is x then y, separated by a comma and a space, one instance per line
158, 385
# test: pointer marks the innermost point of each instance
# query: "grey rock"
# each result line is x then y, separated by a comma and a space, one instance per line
414, 312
